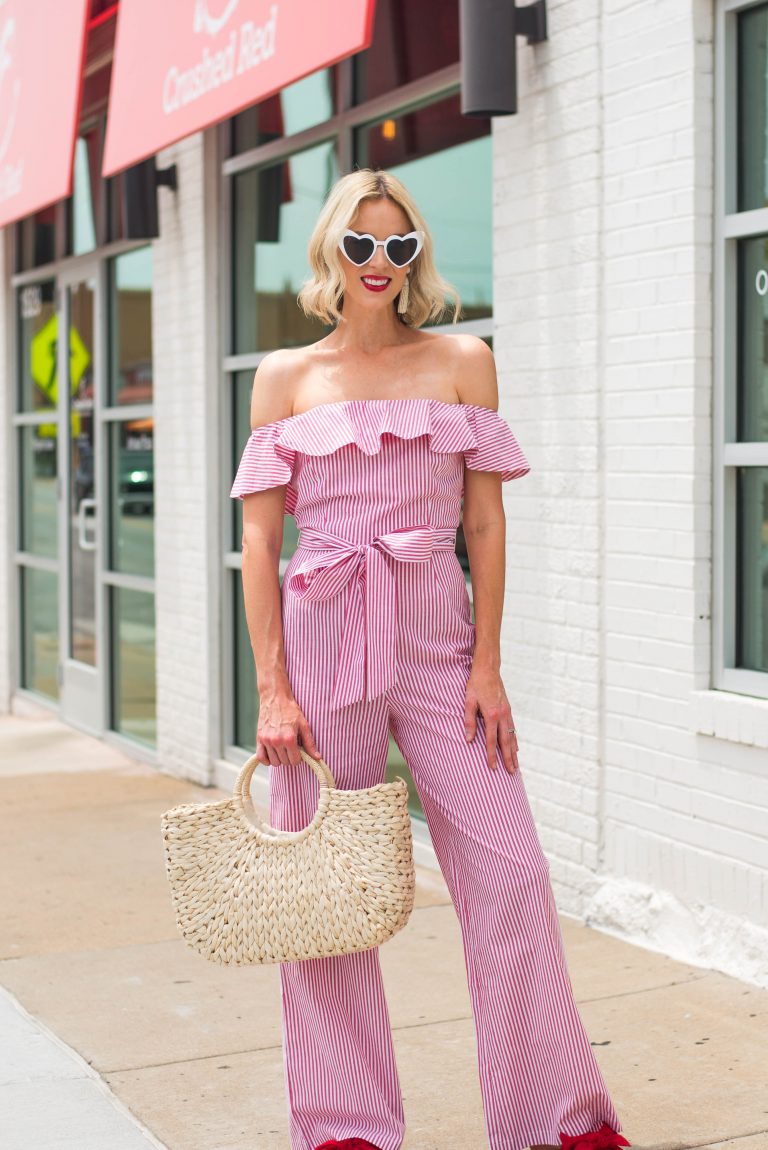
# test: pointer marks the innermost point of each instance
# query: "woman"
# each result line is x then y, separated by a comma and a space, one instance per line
371, 437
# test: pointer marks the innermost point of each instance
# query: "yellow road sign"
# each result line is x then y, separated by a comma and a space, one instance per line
43, 368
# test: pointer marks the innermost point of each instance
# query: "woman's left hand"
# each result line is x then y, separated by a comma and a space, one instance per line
485, 693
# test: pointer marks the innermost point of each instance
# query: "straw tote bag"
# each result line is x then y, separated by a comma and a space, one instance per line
246, 893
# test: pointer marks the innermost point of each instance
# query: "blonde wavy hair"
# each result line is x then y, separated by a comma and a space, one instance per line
322, 294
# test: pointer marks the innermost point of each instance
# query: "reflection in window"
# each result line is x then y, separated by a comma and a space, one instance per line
40, 631
444, 159
38, 334
81, 495
133, 664
130, 310
132, 496
246, 699
301, 105
411, 38
752, 395
753, 108
36, 239
274, 212
752, 564
85, 190
37, 489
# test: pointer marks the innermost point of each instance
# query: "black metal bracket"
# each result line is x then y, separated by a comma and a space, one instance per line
166, 177
531, 21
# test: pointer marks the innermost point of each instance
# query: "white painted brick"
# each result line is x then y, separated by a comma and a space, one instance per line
603, 343
184, 602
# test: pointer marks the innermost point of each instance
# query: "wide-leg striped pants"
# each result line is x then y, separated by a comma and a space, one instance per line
537, 1071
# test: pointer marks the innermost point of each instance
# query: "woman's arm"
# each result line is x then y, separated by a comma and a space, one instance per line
484, 525
262, 542
280, 719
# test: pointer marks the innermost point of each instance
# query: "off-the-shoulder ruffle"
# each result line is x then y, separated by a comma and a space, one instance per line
495, 448
480, 433
265, 462
326, 427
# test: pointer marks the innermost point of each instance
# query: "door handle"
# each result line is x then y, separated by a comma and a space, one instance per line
84, 543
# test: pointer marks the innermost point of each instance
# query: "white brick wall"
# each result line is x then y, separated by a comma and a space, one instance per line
185, 395
547, 284
603, 255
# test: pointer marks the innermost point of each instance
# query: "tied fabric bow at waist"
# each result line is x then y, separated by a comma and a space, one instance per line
367, 652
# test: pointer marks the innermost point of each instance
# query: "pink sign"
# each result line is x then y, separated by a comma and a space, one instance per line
41, 67
180, 66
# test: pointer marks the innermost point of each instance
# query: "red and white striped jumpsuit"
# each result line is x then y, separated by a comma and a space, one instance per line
379, 638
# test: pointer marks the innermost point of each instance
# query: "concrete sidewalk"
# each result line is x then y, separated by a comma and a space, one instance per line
89, 948
50, 1096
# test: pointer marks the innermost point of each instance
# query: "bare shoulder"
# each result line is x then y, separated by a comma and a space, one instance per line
274, 386
474, 371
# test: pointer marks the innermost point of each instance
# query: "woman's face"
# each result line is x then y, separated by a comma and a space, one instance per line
378, 218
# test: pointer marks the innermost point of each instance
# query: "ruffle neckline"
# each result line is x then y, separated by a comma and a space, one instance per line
479, 433
325, 428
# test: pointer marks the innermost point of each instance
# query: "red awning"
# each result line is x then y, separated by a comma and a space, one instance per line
41, 65
180, 67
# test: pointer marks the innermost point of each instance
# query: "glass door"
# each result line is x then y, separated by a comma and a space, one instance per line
79, 360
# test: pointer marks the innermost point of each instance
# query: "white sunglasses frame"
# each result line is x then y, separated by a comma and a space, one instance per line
382, 244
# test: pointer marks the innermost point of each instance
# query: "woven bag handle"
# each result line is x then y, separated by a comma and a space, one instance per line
241, 793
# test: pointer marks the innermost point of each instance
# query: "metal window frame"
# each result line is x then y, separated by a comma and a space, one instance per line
340, 128
65, 270
730, 226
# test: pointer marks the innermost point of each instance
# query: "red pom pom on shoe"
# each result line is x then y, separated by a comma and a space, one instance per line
348, 1144
603, 1139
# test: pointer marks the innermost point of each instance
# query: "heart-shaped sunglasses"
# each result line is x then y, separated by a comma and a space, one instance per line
399, 250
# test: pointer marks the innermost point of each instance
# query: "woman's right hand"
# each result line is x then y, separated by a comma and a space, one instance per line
281, 724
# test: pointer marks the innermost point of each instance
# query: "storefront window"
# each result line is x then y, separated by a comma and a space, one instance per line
309, 101
37, 477
131, 437
36, 239
246, 695
37, 489
86, 209
741, 410
84, 201
83, 640
131, 453
752, 482
411, 39
40, 631
37, 328
752, 568
752, 374
133, 664
131, 492
435, 150
130, 314
753, 108
274, 211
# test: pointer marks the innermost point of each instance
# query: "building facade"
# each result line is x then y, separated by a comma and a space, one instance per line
610, 243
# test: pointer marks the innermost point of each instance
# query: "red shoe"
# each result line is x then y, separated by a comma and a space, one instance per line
347, 1144
603, 1139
